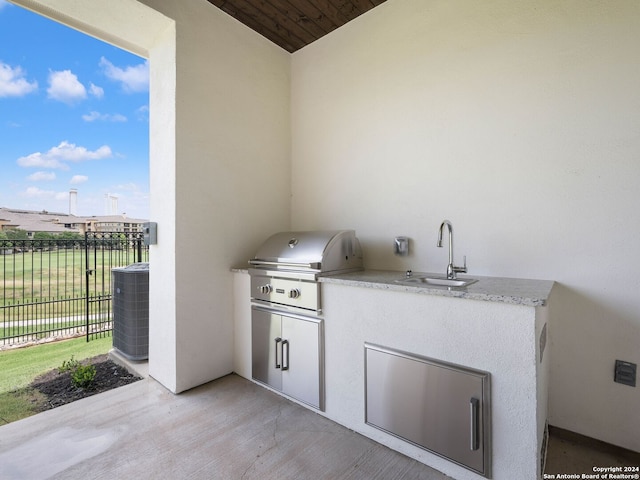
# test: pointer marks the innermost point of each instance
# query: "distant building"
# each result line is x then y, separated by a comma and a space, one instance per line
73, 201
111, 223
111, 204
51, 222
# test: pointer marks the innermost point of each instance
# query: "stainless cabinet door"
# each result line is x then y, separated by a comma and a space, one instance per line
266, 350
440, 407
301, 375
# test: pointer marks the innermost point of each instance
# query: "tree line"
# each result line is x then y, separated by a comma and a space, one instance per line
18, 234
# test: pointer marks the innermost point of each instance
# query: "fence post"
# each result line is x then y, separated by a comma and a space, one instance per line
87, 273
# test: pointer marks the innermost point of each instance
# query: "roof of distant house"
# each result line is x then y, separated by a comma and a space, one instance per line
54, 222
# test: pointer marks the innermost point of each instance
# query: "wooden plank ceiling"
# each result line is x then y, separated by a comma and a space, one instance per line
292, 24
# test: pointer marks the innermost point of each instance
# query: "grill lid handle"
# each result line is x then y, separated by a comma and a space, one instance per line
264, 263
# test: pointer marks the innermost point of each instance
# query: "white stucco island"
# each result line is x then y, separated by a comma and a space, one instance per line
498, 327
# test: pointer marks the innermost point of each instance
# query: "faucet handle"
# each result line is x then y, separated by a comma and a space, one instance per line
462, 269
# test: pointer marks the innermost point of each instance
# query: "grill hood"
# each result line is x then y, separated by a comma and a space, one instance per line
322, 251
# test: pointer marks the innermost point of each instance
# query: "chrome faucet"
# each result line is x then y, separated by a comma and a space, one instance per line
452, 270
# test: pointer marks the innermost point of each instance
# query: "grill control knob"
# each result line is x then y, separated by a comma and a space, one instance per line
265, 289
294, 293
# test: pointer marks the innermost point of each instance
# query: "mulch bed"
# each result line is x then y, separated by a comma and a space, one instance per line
59, 390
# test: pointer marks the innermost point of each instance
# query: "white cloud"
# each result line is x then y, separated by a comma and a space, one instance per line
65, 152
13, 83
90, 117
35, 192
38, 159
42, 177
76, 179
131, 187
96, 91
65, 87
133, 199
106, 117
133, 79
143, 113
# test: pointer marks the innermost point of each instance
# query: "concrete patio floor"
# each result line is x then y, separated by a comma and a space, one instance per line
227, 429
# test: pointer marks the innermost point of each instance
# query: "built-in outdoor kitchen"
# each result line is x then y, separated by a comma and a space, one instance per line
450, 370
516, 120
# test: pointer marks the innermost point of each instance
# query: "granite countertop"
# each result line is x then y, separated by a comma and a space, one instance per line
515, 291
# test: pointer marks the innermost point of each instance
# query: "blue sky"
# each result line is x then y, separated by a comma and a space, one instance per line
74, 113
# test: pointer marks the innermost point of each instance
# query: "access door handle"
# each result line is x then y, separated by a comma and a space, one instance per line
285, 366
277, 340
474, 404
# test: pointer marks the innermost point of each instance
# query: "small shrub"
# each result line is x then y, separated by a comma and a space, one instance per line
67, 366
83, 376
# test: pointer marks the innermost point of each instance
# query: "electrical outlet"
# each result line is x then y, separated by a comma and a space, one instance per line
625, 373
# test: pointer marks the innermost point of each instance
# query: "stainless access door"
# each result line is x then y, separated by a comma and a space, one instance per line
302, 361
266, 338
287, 354
441, 407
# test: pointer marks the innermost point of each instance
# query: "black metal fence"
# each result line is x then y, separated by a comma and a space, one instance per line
59, 287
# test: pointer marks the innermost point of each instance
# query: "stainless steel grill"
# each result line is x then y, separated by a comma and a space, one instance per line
285, 270
287, 329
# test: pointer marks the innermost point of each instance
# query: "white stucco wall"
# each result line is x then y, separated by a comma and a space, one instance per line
232, 150
242, 324
220, 165
518, 121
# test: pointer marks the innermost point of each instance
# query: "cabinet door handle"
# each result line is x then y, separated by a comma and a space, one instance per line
474, 403
277, 340
285, 366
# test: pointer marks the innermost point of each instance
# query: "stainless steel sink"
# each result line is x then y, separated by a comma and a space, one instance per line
426, 280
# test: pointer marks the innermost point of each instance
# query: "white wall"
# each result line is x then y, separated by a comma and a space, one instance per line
232, 180
220, 164
518, 121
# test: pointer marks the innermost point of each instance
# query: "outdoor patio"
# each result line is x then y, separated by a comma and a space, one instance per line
230, 428
227, 429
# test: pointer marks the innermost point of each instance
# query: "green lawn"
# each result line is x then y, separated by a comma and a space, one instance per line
47, 284
19, 367
54, 274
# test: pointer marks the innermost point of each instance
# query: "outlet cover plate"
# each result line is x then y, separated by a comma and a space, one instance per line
625, 373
